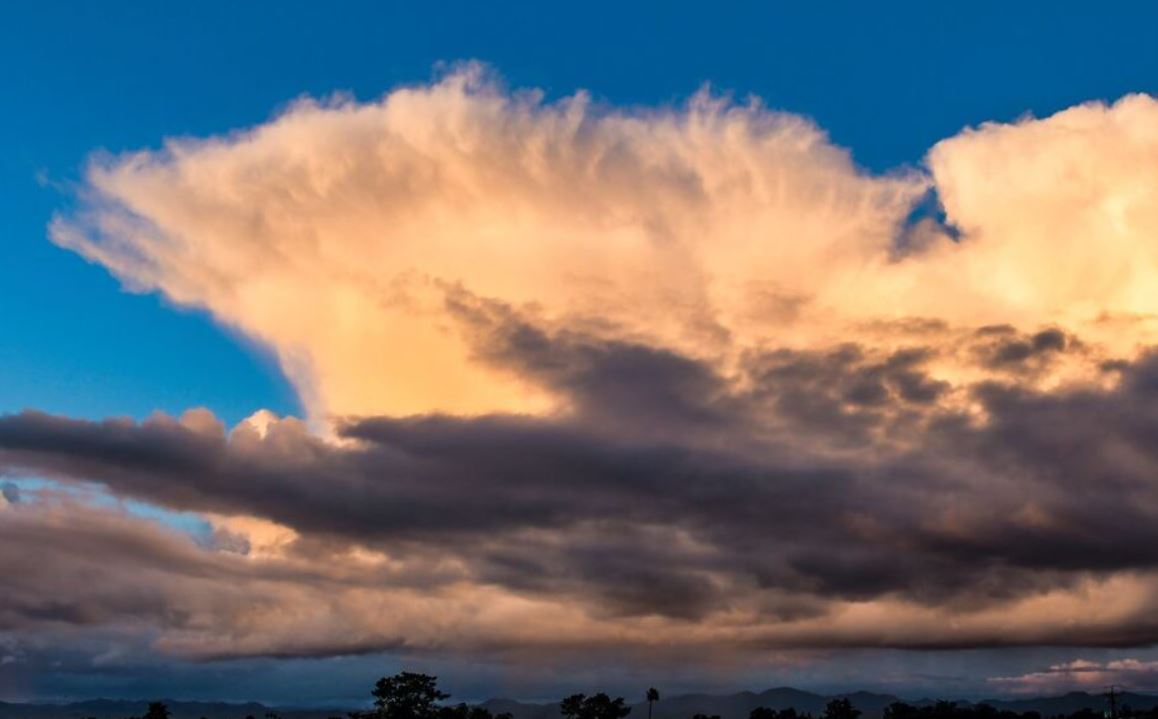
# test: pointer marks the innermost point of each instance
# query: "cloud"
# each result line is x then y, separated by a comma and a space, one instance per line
329, 231
9, 493
333, 231
1056, 212
1084, 674
677, 380
822, 499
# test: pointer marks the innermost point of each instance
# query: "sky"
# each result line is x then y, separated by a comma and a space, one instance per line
552, 350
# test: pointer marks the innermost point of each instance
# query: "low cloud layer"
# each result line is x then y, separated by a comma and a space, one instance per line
822, 499
682, 382
1084, 674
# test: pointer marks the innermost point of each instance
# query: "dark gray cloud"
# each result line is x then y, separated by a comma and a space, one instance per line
669, 488
1003, 347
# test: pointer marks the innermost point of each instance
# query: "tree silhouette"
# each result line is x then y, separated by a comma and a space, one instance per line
766, 713
899, 710
840, 709
944, 709
464, 711
985, 711
596, 706
652, 698
157, 710
406, 695
571, 706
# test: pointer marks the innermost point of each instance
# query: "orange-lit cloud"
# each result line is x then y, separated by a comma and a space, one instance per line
1083, 674
333, 232
677, 378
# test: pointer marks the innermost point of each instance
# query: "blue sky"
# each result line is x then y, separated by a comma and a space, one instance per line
885, 81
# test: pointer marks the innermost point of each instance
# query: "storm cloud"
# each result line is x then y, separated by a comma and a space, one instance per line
769, 508
683, 381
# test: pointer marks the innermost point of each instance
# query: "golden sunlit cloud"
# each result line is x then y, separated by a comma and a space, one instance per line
332, 232
678, 378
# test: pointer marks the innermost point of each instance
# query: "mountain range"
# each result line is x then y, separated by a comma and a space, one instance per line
872, 704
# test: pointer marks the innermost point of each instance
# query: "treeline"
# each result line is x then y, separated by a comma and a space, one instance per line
954, 710
409, 695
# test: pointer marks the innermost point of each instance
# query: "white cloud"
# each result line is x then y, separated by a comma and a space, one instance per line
332, 231
1085, 674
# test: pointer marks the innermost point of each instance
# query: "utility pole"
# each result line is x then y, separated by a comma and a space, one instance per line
1113, 699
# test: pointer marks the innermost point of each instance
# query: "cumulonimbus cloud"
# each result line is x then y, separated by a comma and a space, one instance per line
683, 377
332, 232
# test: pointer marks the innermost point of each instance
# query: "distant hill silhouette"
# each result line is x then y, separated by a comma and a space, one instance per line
1074, 701
728, 706
737, 706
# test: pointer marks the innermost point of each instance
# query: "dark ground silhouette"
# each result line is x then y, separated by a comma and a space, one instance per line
410, 695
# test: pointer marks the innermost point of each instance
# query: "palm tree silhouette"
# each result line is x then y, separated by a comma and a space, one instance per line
652, 698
